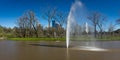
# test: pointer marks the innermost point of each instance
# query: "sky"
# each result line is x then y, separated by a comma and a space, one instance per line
11, 10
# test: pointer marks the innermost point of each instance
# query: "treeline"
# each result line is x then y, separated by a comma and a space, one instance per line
6, 32
28, 25
101, 27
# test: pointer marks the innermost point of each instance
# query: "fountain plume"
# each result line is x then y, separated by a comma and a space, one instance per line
78, 29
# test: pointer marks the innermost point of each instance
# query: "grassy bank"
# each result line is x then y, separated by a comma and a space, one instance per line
37, 39
84, 38
63, 39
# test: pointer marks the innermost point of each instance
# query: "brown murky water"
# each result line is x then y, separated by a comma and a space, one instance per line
40, 50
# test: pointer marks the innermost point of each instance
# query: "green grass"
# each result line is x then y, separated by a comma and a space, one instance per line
63, 39
37, 39
85, 38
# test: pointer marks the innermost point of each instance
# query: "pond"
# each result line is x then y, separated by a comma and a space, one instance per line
51, 50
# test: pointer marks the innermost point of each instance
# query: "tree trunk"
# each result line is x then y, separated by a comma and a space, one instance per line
101, 34
95, 33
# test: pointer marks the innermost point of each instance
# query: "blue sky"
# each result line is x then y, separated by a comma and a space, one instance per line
11, 10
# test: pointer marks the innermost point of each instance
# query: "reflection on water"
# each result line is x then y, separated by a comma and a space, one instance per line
67, 54
41, 50
99, 44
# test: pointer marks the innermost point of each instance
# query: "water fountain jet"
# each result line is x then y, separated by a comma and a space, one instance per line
78, 28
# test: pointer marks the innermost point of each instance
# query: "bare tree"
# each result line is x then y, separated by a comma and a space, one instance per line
61, 18
111, 29
22, 24
49, 15
94, 18
28, 24
33, 22
118, 23
101, 24
40, 30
